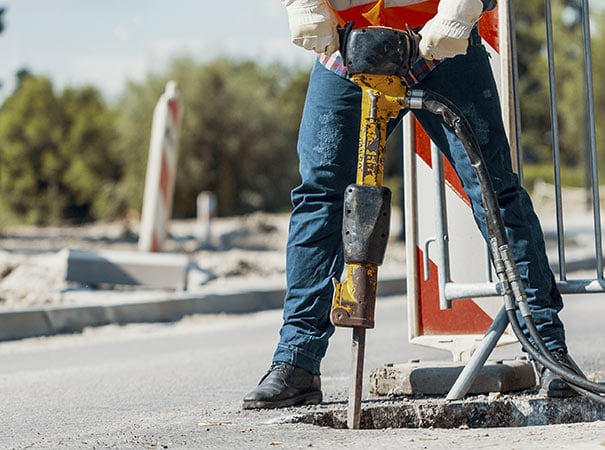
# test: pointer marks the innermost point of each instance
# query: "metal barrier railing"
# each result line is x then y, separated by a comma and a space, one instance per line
455, 290
450, 290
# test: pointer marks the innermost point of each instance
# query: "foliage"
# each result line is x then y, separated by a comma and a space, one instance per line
569, 90
89, 145
571, 177
53, 153
30, 135
238, 134
70, 156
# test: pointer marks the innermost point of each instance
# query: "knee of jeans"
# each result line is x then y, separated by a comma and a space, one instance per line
320, 195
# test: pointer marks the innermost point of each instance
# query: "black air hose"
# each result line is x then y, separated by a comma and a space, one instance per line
505, 267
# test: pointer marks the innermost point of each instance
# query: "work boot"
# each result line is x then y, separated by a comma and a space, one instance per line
284, 385
551, 384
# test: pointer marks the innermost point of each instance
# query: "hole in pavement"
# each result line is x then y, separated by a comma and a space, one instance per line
478, 412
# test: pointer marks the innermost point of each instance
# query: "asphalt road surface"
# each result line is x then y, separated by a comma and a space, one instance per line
180, 385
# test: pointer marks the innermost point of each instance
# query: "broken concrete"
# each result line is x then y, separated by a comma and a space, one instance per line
437, 377
477, 412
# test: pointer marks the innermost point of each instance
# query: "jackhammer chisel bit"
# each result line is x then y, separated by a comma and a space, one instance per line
376, 59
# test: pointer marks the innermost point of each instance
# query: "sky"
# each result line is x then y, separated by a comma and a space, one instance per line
106, 42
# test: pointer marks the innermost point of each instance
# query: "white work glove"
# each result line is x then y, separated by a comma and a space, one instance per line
446, 35
312, 25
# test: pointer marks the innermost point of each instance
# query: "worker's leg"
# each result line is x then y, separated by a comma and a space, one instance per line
468, 83
327, 151
327, 148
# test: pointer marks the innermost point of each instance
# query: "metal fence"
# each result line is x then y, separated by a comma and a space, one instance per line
593, 262
566, 283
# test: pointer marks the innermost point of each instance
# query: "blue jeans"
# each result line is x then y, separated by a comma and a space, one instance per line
327, 150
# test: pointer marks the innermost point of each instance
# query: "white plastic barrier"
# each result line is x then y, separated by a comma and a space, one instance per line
447, 247
161, 170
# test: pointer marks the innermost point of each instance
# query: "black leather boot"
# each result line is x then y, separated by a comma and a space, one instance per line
284, 385
551, 384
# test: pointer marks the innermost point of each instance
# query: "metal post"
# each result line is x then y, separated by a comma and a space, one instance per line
514, 86
440, 227
555, 140
471, 370
592, 139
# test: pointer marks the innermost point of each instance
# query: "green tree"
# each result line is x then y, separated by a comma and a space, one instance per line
238, 133
598, 51
30, 136
92, 169
2, 11
569, 79
55, 154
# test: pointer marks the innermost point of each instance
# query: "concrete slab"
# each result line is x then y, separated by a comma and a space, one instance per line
156, 307
156, 270
86, 308
437, 378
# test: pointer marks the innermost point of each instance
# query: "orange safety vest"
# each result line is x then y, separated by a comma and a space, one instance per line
391, 13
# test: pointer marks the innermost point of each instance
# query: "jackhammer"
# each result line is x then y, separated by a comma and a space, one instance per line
377, 58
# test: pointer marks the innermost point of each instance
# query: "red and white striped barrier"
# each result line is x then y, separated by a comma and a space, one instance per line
161, 170
459, 328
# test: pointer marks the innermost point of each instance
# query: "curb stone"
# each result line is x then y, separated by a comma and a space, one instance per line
168, 308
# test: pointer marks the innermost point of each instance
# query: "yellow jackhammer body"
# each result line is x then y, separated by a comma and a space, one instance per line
355, 298
376, 58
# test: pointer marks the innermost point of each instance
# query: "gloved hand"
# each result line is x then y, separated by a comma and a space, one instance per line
312, 25
446, 35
